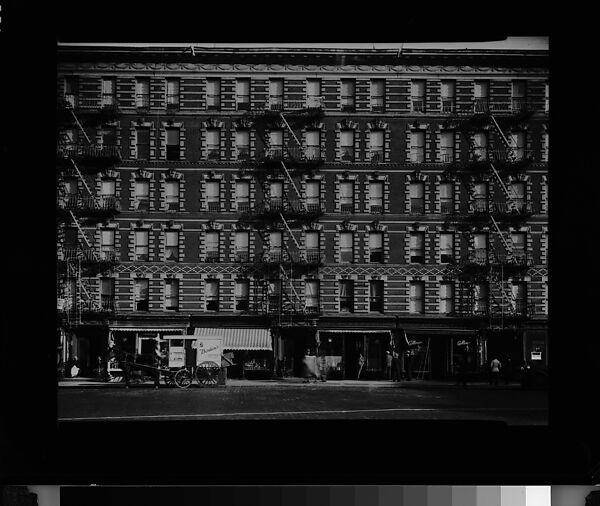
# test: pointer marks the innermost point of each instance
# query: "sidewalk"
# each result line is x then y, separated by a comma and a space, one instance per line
298, 382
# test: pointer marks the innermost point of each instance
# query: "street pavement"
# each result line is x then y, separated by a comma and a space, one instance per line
81, 400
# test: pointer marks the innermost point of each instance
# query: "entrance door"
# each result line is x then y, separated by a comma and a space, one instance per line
354, 346
147, 346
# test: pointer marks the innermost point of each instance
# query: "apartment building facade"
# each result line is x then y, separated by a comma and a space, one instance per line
293, 199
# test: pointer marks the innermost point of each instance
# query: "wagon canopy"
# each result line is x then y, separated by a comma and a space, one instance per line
239, 338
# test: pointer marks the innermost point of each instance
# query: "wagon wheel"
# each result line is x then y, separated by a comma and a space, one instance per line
183, 378
169, 379
207, 373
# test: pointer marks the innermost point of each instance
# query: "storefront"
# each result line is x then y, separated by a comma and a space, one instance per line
252, 350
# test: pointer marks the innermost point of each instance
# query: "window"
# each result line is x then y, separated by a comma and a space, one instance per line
480, 197
276, 94
417, 297
275, 144
547, 98
172, 294
312, 296
417, 198
480, 144
108, 192
446, 247
142, 135
347, 296
242, 294
242, 241
107, 294
141, 294
519, 294
519, 246
447, 198
142, 92
213, 94
417, 247
313, 144
347, 196
417, 93
480, 103
376, 296
517, 141
546, 154
172, 194
69, 138
107, 244
109, 91
213, 196
71, 90
313, 93
213, 143
481, 298
212, 294
376, 145
71, 186
242, 144
242, 94
378, 95
172, 143
376, 247
212, 246
519, 95
447, 146
346, 247
348, 95
518, 194
273, 290
417, 146
375, 197
142, 195
448, 96
275, 242
446, 297
242, 196
276, 195
480, 248
347, 145
173, 93
313, 196
142, 248
172, 246
109, 136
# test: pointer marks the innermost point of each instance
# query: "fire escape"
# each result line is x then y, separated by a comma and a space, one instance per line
79, 207
277, 276
483, 278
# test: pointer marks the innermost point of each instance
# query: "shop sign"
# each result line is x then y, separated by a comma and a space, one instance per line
176, 357
208, 349
536, 355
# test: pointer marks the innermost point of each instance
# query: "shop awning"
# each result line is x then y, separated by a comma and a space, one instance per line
353, 331
239, 339
147, 329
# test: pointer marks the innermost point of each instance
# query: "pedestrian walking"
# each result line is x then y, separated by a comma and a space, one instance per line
361, 363
396, 367
495, 366
388, 366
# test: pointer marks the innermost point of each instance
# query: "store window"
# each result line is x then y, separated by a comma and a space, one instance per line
172, 246
172, 294
213, 94
347, 145
376, 247
213, 196
107, 294
142, 248
347, 197
173, 93
142, 135
417, 93
212, 246
173, 144
348, 95
242, 294
376, 197
276, 94
446, 247
376, 296
417, 247
242, 94
448, 96
313, 252
312, 296
107, 245
377, 95
346, 296
346, 247
142, 92
142, 195
417, 197
447, 197
417, 297
172, 194
213, 143
242, 196
242, 241
141, 294
212, 295
242, 144
446, 297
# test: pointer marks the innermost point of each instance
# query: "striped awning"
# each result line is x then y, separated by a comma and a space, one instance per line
239, 339
147, 329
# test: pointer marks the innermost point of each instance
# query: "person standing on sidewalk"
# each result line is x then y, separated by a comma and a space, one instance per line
388, 366
361, 363
396, 367
495, 366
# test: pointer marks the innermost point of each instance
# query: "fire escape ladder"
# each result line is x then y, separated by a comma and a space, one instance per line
295, 300
510, 152
296, 191
80, 126
291, 130
80, 176
507, 296
507, 245
512, 206
289, 231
